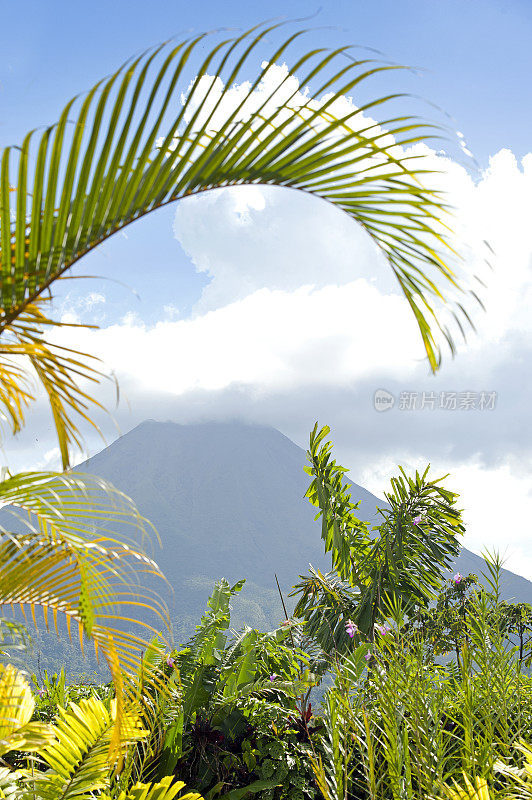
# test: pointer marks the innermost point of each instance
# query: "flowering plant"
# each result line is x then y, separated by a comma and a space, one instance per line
351, 628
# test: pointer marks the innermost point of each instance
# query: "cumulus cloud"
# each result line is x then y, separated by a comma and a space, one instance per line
270, 339
302, 320
251, 238
496, 503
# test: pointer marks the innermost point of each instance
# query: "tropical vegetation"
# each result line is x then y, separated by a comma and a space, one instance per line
235, 714
433, 700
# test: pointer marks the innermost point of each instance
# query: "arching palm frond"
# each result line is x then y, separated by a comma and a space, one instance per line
65, 559
145, 137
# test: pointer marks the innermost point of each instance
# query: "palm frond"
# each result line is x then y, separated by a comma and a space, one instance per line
164, 789
17, 731
78, 758
145, 137
159, 703
25, 355
64, 558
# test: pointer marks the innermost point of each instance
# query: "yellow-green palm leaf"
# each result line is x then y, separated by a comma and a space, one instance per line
519, 778
78, 759
477, 789
61, 555
145, 137
9, 783
163, 790
23, 347
17, 731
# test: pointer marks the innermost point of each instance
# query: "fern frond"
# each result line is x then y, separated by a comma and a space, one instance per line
162, 790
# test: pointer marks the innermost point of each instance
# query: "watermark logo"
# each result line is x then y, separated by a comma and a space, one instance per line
383, 400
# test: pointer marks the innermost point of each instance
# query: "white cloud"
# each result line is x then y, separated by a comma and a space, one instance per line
258, 237
251, 238
171, 311
52, 459
215, 104
498, 511
302, 318
75, 310
497, 504
270, 339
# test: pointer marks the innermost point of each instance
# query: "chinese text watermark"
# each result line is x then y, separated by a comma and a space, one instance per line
383, 400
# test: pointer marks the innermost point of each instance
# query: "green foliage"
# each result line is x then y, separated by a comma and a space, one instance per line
281, 758
128, 153
165, 789
404, 725
78, 760
270, 757
227, 685
516, 786
516, 620
54, 692
75, 753
395, 723
443, 627
399, 563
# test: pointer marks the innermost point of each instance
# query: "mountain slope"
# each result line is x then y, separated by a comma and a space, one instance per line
224, 497
228, 500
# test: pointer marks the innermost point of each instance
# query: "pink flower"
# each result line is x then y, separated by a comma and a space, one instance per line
417, 520
170, 661
350, 628
273, 676
368, 656
382, 629
457, 579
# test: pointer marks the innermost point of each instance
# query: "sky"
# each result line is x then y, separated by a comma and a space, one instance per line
268, 306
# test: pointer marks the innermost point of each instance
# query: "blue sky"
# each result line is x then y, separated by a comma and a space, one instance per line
208, 309
474, 61
475, 54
